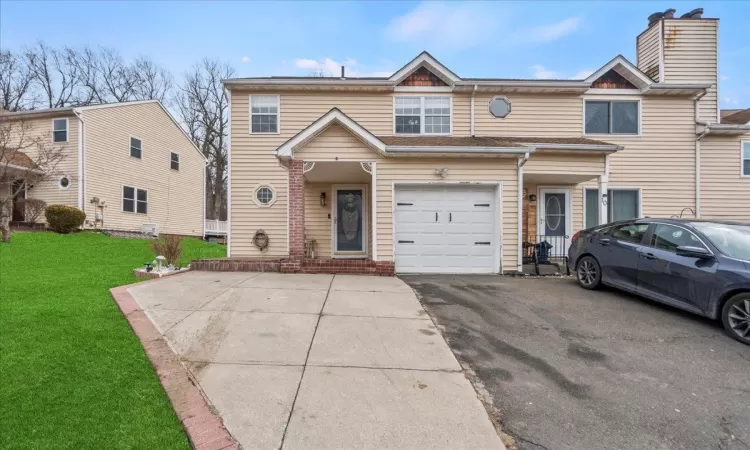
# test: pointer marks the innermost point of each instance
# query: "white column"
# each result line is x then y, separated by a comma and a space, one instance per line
374, 202
603, 199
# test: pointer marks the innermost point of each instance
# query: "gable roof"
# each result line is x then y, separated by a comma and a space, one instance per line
738, 117
429, 62
628, 70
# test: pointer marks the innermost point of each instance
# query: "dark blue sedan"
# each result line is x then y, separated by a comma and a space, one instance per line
699, 266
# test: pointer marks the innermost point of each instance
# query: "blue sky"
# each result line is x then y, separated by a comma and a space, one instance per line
491, 39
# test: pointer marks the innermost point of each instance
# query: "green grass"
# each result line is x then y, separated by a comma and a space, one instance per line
72, 374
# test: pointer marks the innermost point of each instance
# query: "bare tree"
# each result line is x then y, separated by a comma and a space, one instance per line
203, 107
153, 82
25, 157
15, 81
55, 73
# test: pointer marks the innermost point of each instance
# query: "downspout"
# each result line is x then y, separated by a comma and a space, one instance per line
698, 157
473, 93
81, 165
521, 163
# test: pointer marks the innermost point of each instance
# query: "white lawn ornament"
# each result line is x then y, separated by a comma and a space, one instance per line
160, 260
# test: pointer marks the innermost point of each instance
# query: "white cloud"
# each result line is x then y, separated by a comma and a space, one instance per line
245, 59
540, 72
583, 74
724, 77
453, 26
329, 67
731, 101
552, 32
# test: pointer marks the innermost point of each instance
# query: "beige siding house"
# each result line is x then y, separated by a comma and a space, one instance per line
425, 171
129, 166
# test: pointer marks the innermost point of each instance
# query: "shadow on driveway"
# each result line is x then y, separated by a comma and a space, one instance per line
575, 369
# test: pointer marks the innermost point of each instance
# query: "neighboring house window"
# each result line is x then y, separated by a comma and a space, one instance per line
135, 147
422, 115
264, 196
264, 114
622, 204
134, 200
611, 117
60, 130
746, 158
669, 237
174, 161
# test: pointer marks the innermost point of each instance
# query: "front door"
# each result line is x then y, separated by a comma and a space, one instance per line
554, 220
18, 188
350, 222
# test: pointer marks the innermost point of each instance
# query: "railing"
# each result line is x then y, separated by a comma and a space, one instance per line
546, 250
216, 227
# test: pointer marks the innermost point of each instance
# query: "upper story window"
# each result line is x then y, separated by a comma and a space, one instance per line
135, 147
745, 158
174, 161
422, 115
60, 130
612, 117
264, 114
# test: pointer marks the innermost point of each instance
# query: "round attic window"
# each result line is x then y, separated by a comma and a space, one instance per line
500, 107
265, 196
64, 182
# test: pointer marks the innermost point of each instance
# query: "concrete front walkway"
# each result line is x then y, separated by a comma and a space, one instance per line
318, 361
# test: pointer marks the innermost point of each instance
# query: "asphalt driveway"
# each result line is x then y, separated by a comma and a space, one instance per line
574, 369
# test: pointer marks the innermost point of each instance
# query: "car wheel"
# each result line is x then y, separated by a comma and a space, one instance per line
589, 273
736, 317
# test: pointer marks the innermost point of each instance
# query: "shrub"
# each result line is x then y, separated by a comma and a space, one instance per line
168, 246
64, 219
35, 207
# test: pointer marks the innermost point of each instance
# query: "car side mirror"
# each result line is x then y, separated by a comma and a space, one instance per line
693, 252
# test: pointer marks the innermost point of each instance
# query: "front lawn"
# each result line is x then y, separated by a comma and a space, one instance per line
72, 374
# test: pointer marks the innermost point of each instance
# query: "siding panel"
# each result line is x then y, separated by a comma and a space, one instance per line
725, 194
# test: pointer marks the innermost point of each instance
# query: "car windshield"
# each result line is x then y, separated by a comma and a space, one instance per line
732, 240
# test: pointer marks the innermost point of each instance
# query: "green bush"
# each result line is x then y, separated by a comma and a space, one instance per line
64, 219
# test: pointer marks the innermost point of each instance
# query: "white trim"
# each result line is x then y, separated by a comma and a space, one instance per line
430, 63
130, 147
334, 211
598, 91
24, 168
67, 130
742, 157
662, 78
614, 100
374, 208
79, 164
620, 60
540, 210
250, 113
273, 198
585, 147
422, 115
603, 220
470, 150
423, 89
718, 95
178, 161
333, 116
497, 235
228, 93
519, 207
499, 97
135, 200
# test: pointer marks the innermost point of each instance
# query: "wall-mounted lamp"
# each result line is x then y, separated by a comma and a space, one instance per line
604, 199
322, 199
532, 197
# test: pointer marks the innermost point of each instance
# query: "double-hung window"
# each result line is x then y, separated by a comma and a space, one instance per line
745, 158
422, 115
174, 161
612, 117
264, 114
135, 147
60, 130
134, 200
622, 204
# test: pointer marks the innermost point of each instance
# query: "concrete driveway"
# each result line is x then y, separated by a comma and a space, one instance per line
576, 369
318, 361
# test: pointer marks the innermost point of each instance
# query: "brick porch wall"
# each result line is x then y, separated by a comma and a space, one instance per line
296, 210
306, 265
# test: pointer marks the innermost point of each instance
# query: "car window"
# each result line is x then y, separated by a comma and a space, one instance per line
631, 232
669, 237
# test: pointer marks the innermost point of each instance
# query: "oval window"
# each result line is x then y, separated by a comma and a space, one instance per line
553, 213
500, 107
64, 182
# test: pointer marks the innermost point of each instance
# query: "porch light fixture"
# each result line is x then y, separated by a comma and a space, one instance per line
532, 197
322, 199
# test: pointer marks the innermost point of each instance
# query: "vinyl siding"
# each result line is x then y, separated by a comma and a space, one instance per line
336, 143
648, 47
175, 198
551, 115
690, 56
725, 194
565, 163
48, 190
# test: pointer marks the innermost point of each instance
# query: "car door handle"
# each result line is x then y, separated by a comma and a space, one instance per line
604, 241
648, 255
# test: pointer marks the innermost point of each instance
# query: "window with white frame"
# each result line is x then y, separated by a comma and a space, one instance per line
622, 204
134, 200
135, 147
174, 161
745, 158
264, 114
611, 117
60, 130
264, 195
422, 115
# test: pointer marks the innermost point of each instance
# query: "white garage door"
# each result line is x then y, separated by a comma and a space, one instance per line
446, 229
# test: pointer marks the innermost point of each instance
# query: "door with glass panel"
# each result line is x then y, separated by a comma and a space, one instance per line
350, 222
553, 213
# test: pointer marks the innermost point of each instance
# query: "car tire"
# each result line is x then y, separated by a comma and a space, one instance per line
589, 273
735, 315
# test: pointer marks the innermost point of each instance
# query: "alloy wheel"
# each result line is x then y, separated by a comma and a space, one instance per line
739, 318
587, 272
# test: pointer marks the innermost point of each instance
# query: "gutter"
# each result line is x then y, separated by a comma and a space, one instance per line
696, 107
587, 147
521, 163
469, 150
473, 94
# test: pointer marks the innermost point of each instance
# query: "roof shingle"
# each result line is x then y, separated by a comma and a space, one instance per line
17, 158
